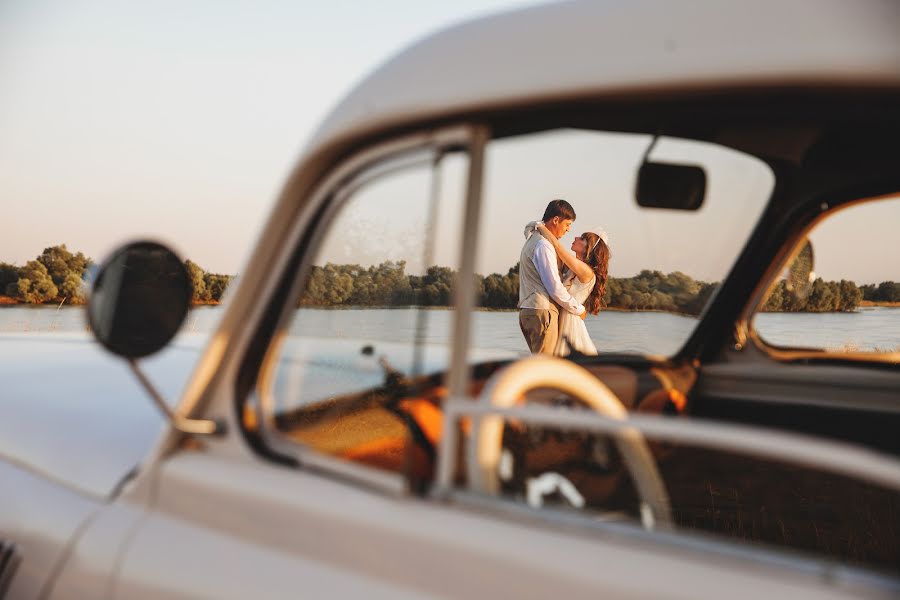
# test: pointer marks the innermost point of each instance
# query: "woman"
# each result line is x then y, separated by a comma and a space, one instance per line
585, 276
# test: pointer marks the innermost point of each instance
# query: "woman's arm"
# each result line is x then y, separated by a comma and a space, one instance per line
580, 268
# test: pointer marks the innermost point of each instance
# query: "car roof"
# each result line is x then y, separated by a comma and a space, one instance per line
593, 49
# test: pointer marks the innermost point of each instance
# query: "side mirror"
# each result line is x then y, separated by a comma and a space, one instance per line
676, 187
140, 298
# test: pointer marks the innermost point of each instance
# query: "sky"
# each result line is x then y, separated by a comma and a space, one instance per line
180, 121
176, 120
596, 172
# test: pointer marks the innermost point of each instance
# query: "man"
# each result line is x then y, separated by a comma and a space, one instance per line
541, 293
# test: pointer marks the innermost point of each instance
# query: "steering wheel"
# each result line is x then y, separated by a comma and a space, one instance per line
509, 384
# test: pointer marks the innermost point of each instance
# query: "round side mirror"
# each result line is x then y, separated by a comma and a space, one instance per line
139, 300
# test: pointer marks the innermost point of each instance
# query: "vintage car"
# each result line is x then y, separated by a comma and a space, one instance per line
361, 422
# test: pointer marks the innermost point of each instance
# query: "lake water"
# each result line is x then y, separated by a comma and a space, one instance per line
868, 329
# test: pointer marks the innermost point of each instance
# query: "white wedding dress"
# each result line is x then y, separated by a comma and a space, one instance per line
573, 333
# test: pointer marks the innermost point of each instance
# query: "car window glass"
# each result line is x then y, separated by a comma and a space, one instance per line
362, 365
851, 302
665, 264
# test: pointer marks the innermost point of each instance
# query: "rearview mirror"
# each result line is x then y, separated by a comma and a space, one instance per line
139, 300
676, 187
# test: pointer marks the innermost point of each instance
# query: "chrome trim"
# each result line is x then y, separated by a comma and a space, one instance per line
464, 301
176, 420
836, 457
459, 369
84, 492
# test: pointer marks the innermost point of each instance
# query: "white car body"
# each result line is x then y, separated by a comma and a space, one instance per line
146, 511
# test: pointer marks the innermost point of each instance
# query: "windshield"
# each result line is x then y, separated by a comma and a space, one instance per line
662, 265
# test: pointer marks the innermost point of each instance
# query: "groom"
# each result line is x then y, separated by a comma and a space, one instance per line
541, 293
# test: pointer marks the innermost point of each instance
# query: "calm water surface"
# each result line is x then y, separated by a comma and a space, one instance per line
873, 328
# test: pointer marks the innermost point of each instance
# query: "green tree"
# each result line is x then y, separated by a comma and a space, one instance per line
775, 301
195, 273
72, 287
437, 286
9, 275
215, 285
35, 285
888, 291
390, 286
64, 269
868, 291
328, 286
821, 297
650, 289
850, 295
500, 291
694, 304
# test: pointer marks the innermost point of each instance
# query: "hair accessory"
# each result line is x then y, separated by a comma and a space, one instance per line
601, 235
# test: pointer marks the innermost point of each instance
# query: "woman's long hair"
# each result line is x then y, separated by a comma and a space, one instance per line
597, 258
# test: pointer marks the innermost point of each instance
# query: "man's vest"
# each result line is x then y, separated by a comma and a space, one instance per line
532, 293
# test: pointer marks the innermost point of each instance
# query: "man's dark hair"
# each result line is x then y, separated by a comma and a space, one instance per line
559, 208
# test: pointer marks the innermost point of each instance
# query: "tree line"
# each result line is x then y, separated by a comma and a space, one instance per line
57, 275
886, 291
823, 296
387, 284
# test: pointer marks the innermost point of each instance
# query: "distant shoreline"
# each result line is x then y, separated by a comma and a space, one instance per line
870, 303
10, 301
477, 308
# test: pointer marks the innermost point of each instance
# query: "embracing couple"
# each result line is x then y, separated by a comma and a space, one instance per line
552, 306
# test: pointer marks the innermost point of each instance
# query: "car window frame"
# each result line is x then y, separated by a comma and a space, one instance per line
367, 164
745, 330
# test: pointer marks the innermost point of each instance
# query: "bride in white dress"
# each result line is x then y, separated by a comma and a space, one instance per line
585, 277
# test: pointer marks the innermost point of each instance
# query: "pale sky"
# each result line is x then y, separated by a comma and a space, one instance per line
180, 121
176, 120
595, 172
